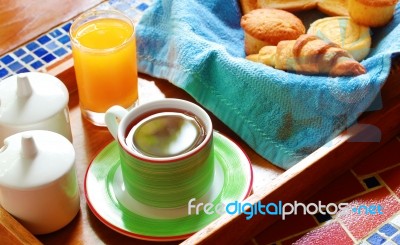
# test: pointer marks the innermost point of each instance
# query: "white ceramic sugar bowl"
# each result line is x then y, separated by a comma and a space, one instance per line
38, 183
33, 100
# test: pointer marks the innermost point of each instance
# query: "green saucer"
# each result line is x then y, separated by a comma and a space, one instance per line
112, 205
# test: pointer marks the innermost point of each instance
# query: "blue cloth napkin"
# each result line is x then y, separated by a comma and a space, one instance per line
198, 45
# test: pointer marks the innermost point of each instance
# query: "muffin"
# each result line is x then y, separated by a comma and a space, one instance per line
266, 27
373, 13
343, 31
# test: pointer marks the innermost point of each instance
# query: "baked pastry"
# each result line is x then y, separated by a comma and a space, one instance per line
333, 7
266, 55
311, 55
343, 31
268, 26
247, 5
372, 13
288, 5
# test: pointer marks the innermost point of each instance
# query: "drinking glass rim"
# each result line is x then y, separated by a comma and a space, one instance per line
93, 13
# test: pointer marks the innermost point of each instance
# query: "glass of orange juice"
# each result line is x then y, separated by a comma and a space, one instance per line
104, 53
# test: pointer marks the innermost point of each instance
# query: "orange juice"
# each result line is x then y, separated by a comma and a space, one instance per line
104, 52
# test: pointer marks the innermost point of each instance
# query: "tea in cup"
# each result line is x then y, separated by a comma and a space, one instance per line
166, 151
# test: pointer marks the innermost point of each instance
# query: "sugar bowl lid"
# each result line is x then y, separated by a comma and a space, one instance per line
35, 158
31, 97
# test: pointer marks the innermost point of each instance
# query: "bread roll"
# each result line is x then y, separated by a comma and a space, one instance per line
268, 26
288, 5
372, 13
343, 31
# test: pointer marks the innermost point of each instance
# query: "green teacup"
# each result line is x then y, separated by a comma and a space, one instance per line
166, 151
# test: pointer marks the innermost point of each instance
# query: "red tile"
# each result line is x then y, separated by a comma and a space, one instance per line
392, 179
292, 240
283, 228
345, 186
362, 224
329, 233
386, 156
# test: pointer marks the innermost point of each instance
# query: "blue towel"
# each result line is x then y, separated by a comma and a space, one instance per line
198, 45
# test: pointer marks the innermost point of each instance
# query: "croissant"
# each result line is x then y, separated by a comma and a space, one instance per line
311, 55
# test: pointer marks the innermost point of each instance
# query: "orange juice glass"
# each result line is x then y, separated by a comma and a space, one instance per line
104, 52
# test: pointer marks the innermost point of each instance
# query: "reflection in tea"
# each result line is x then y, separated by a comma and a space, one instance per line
166, 134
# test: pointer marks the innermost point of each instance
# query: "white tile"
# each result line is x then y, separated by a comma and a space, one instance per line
396, 221
389, 242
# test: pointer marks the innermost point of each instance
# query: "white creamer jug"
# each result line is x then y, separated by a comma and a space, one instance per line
38, 182
33, 100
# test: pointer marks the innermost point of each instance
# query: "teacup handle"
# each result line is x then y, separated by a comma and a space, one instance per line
112, 118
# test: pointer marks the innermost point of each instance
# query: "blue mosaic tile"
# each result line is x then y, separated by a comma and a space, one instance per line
48, 58
396, 239
371, 182
121, 6
36, 64
28, 58
322, 217
7, 59
64, 39
376, 239
60, 52
52, 45
3, 72
15, 66
43, 39
131, 13
55, 33
67, 26
142, 6
32, 46
112, 2
40, 52
22, 70
388, 230
19, 52
387, 234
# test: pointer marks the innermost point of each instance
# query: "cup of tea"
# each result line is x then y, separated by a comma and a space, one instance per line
104, 52
166, 151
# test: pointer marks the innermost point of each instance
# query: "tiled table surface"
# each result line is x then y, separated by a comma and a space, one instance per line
54, 46
374, 181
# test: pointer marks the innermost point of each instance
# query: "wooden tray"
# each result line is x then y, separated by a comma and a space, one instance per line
271, 184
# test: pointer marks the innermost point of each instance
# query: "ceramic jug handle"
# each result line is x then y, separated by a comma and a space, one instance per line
112, 118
